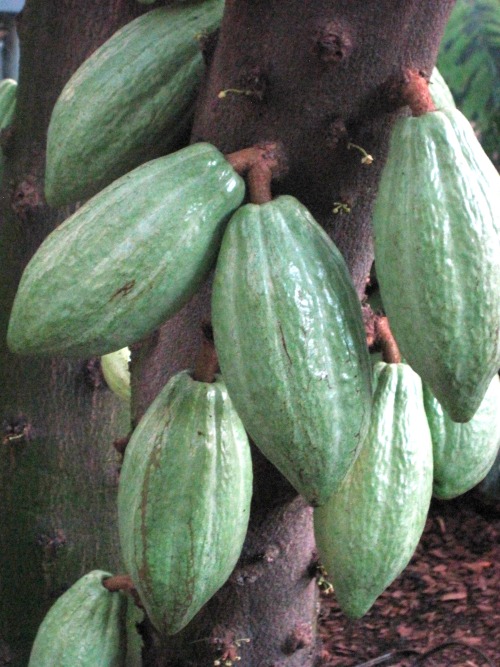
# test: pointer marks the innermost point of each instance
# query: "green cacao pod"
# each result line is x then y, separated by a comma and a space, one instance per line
184, 499
437, 252
441, 94
291, 344
463, 453
86, 627
369, 529
131, 101
115, 368
8, 94
128, 259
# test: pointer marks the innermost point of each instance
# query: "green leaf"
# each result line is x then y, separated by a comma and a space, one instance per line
469, 60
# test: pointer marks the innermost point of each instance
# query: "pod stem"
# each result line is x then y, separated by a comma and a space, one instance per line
260, 164
120, 582
124, 583
390, 349
416, 94
207, 363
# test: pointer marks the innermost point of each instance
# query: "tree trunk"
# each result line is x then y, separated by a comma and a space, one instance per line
319, 77
58, 420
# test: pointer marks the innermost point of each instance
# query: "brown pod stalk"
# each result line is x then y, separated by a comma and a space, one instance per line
390, 349
416, 93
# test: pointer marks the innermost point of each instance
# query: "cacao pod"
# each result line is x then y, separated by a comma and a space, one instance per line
368, 530
128, 259
86, 627
131, 101
8, 94
115, 368
440, 93
463, 453
291, 343
184, 499
437, 253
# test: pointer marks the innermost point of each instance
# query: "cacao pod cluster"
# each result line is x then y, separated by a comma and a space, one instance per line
434, 429
366, 447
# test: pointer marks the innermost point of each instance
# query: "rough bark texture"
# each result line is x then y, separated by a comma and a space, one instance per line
318, 77
58, 470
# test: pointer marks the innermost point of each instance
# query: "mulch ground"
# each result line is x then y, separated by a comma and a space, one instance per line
443, 611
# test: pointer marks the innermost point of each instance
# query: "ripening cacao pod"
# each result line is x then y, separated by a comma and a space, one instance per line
130, 102
291, 343
368, 530
128, 259
463, 453
437, 252
86, 627
184, 499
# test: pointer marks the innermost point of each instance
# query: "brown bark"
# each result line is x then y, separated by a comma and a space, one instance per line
323, 79
58, 470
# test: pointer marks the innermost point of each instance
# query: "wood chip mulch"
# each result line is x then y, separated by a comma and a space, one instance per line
444, 609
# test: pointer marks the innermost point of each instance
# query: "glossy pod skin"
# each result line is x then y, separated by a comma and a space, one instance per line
437, 252
128, 259
184, 499
131, 101
463, 453
369, 529
84, 628
291, 344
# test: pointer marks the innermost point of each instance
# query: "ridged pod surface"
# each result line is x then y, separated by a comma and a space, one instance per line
86, 627
129, 102
291, 344
128, 259
184, 499
369, 529
463, 453
437, 252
